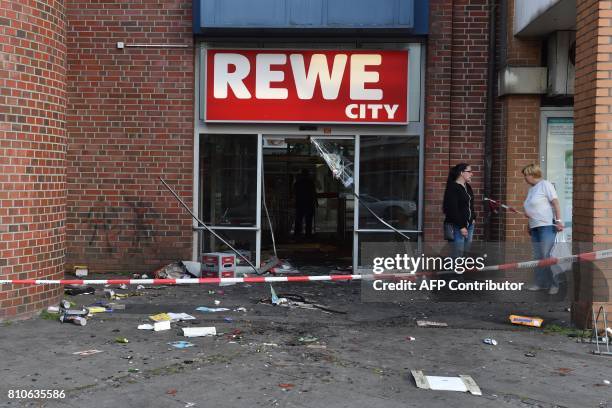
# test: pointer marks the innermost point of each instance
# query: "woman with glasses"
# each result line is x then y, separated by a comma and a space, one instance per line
458, 208
544, 212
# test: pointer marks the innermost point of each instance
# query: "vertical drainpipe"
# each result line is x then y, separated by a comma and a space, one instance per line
488, 143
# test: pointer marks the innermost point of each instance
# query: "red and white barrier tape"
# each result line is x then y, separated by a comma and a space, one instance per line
584, 257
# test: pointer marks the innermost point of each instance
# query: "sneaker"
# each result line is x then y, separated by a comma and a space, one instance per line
534, 288
553, 290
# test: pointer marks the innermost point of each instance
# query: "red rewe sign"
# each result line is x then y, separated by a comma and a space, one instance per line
306, 86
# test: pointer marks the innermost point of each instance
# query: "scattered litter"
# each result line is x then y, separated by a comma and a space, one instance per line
492, 342
161, 326
286, 386
175, 270
85, 353
526, 320
228, 319
317, 346
428, 323
240, 309
410, 338
606, 382
160, 317
97, 309
236, 334
211, 309
463, 383
144, 276
145, 326
74, 319
109, 293
199, 331
175, 317
140, 287
211, 292
133, 370
171, 391
80, 271
53, 309
116, 306
530, 354
269, 344
123, 286
217, 302
122, 340
74, 290
64, 304
308, 339
193, 268
190, 404
563, 371
274, 299
181, 344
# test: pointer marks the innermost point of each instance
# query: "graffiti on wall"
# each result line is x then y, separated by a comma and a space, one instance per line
128, 226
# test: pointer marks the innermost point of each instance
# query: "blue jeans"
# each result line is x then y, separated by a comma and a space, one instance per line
542, 242
461, 244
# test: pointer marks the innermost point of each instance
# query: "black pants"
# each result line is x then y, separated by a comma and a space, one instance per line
301, 215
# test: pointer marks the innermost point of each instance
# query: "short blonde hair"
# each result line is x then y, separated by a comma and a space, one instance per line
532, 170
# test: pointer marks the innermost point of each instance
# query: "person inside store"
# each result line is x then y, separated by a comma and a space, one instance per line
544, 213
305, 194
458, 207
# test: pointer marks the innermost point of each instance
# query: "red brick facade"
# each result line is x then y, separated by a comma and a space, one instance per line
457, 56
129, 121
32, 152
592, 152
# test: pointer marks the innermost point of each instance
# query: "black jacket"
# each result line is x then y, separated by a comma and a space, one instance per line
459, 205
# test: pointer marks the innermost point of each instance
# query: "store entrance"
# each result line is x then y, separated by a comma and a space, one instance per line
310, 212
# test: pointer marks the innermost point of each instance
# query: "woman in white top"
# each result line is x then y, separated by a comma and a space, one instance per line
544, 212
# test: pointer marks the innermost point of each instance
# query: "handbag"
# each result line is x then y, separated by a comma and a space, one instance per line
449, 231
561, 249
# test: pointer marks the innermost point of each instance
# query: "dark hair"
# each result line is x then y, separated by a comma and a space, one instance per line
453, 175
455, 172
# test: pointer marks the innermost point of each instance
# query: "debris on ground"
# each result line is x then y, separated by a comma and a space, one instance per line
75, 290
428, 323
145, 326
85, 353
160, 317
171, 391
463, 383
181, 344
530, 354
295, 301
78, 320
286, 386
217, 302
240, 309
411, 338
199, 331
122, 340
526, 320
80, 271
205, 309
161, 326
53, 309
228, 319
308, 339
492, 342
175, 270
177, 317
193, 268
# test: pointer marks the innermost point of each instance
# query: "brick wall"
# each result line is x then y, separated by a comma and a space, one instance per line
32, 152
592, 151
130, 120
520, 124
456, 102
